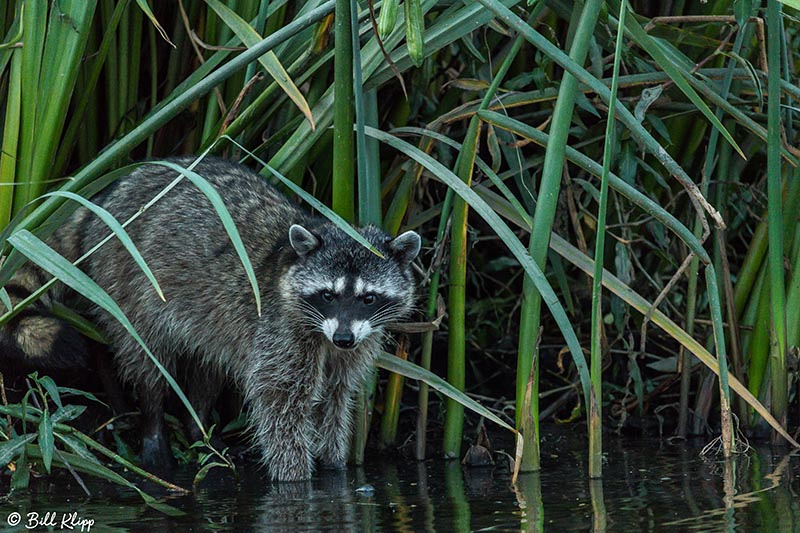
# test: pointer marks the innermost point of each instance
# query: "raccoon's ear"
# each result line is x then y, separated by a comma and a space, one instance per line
302, 240
405, 247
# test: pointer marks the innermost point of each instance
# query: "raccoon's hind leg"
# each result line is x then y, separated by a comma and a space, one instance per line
156, 454
204, 385
151, 390
37, 341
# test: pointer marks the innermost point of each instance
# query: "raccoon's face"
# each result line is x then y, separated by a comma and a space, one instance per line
344, 291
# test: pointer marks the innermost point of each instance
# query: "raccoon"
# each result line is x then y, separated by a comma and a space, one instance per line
326, 304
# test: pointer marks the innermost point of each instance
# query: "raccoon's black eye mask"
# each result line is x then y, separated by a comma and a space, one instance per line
366, 299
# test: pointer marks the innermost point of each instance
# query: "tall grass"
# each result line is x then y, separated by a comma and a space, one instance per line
489, 148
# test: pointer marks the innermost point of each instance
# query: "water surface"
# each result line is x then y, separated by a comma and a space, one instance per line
649, 485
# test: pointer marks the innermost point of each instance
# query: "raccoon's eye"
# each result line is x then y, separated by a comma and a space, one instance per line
328, 296
369, 299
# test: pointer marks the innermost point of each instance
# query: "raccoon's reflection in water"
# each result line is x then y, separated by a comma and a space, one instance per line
390, 496
324, 504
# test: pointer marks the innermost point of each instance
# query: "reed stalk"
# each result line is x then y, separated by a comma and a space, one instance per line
778, 373
343, 115
596, 405
691, 301
369, 206
543, 222
456, 346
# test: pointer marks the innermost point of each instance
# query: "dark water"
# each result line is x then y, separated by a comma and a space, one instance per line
648, 486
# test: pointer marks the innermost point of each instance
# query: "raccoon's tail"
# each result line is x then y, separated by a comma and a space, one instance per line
35, 339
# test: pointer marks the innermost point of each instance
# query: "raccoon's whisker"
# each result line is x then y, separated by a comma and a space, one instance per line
387, 317
311, 314
310, 317
377, 321
315, 325
309, 308
383, 316
306, 315
385, 312
382, 321
387, 307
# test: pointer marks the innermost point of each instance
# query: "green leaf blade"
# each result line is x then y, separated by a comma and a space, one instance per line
269, 61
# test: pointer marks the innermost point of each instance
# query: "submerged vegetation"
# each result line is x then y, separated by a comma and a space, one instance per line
664, 244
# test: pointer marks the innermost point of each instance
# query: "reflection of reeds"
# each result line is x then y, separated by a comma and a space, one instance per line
459, 505
732, 499
599, 518
528, 491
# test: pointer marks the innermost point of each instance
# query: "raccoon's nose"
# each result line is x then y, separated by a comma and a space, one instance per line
344, 339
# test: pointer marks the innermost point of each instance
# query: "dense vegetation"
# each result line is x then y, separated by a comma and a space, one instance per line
483, 125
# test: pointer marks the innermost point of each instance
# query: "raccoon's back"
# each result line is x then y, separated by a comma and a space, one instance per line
259, 211
185, 244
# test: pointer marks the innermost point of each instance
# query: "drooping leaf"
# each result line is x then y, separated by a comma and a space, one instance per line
145, 7
313, 202
53, 263
412, 371
67, 413
77, 447
227, 221
51, 388
509, 239
269, 61
76, 392
664, 54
